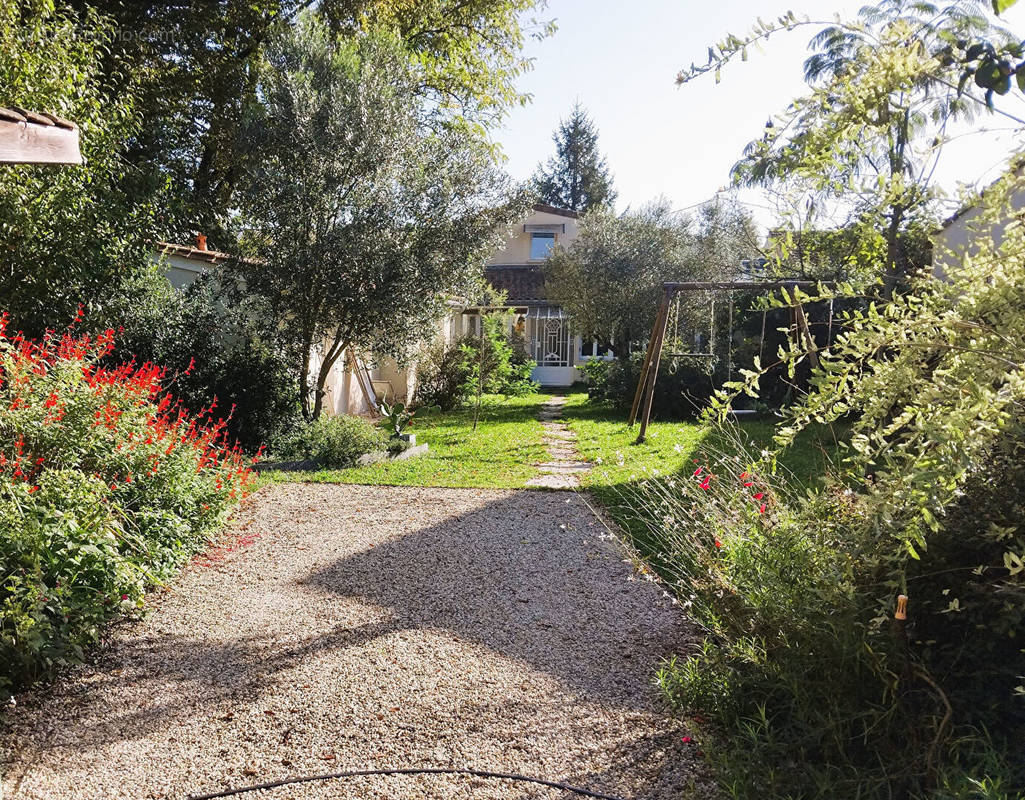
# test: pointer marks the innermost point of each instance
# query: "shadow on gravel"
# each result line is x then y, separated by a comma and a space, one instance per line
524, 576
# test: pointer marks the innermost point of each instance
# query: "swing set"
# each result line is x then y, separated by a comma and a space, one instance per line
671, 292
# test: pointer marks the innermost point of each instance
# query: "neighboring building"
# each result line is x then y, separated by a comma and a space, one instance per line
961, 233
545, 328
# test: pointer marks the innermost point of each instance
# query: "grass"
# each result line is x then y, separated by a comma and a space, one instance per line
605, 439
500, 454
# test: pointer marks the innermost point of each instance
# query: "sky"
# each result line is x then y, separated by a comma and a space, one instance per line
620, 61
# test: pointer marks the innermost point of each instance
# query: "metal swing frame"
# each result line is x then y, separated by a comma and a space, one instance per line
645, 392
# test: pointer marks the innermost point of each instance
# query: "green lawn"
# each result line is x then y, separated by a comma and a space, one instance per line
502, 452
605, 439
499, 454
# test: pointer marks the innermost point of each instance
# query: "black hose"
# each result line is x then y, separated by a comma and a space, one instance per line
478, 773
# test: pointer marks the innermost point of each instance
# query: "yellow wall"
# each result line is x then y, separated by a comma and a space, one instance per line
517, 249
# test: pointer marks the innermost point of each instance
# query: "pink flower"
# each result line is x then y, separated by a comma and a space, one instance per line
686, 740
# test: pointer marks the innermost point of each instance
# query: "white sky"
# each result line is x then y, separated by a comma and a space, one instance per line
620, 60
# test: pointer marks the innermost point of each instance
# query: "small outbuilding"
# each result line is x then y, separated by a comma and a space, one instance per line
27, 137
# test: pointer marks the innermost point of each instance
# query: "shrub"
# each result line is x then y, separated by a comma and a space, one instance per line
336, 441
440, 377
106, 485
682, 390
215, 348
496, 363
816, 689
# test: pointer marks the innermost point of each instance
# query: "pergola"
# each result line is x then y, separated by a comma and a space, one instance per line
653, 356
30, 138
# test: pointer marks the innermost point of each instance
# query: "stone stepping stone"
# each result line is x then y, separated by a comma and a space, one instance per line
565, 466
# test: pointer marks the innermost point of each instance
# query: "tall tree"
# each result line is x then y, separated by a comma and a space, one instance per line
362, 209
576, 177
195, 66
865, 139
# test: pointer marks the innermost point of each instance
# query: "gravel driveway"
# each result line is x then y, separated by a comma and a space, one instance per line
355, 627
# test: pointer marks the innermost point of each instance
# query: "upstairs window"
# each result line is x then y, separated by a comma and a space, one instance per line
540, 245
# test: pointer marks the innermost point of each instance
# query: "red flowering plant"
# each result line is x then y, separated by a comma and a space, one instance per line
106, 485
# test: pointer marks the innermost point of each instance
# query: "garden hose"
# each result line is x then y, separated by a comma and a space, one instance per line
477, 773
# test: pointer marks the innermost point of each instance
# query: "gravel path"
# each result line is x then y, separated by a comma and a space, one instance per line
353, 627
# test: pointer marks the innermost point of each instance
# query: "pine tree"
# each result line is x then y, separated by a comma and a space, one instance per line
576, 177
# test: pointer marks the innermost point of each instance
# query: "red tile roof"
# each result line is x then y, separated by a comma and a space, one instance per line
524, 284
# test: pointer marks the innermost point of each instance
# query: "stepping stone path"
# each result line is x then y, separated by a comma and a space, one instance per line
564, 466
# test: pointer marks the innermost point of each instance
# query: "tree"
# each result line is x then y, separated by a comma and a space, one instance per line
194, 67
360, 206
864, 140
70, 235
576, 177
610, 278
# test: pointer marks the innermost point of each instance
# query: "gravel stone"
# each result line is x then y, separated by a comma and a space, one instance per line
371, 627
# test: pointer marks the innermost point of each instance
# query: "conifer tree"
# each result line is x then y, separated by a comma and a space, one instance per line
576, 177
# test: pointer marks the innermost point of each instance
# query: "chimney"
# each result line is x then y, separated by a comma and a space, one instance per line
201, 241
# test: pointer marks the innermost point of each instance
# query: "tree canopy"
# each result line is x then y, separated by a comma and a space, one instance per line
610, 277
362, 210
194, 67
576, 177
864, 141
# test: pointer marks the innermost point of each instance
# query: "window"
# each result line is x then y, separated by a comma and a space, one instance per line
540, 245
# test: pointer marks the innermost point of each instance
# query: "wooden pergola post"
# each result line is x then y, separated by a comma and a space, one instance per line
663, 314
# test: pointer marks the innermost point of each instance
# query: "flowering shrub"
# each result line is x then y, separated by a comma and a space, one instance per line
106, 485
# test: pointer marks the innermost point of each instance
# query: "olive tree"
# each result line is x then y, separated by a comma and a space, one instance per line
610, 278
362, 204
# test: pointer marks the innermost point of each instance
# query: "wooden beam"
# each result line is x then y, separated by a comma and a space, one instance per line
802, 324
738, 286
656, 359
32, 142
663, 309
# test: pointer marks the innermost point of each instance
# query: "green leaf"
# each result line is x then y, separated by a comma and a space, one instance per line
999, 6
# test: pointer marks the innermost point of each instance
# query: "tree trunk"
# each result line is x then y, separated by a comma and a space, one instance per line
304, 376
330, 357
892, 271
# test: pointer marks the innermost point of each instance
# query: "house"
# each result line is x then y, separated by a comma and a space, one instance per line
545, 328
355, 384
961, 233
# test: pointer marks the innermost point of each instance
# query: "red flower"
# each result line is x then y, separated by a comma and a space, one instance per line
32, 489
718, 543
51, 401
761, 509
697, 472
759, 496
705, 482
685, 740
